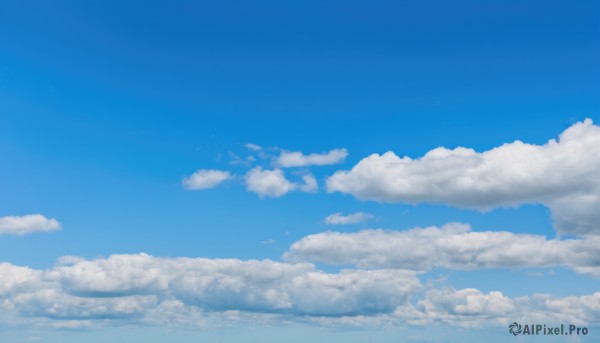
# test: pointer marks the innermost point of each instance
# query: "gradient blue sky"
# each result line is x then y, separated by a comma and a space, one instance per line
105, 106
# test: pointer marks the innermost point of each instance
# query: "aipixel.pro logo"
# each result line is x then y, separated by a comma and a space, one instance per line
516, 329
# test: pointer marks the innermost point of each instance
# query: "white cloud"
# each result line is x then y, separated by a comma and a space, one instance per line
15, 279
289, 159
353, 218
23, 225
563, 174
205, 179
465, 307
274, 184
452, 246
268, 183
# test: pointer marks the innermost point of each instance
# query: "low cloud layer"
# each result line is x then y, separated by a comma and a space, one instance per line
181, 291
289, 159
562, 174
23, 225
130, 286
452, 246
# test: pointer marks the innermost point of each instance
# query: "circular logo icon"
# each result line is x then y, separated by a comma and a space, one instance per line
515, 328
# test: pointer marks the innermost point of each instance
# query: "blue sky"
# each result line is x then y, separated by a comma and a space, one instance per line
106, 108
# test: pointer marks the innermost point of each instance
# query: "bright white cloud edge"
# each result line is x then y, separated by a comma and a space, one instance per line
562, 174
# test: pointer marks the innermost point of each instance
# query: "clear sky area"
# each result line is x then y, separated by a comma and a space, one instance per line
325, 171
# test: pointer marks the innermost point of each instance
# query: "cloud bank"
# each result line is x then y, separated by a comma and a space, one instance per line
129, 286
562, 174
23, 225
150, 290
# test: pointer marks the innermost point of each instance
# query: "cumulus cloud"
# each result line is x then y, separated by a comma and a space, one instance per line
562, 174
274, 184
205, 179
472, 308
268, 183
131, 286
452, 246
23, 225
289, 159
465, 307
341, 219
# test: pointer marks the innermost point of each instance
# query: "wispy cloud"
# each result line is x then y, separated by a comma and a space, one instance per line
252, 147
563, 174
23, 225
289, 159
205, 179
310, 184
340, 219
268, 241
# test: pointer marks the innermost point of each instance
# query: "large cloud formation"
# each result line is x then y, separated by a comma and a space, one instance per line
452, 246
182, 291
562, 174
129, 286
